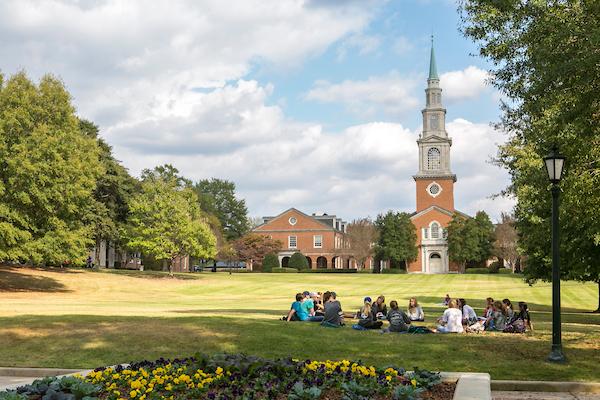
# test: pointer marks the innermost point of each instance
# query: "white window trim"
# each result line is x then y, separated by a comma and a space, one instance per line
320, 246
290, 242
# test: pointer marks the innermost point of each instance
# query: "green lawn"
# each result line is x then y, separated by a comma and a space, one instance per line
76, 318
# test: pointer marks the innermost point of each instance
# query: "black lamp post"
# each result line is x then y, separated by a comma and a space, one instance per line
554, 164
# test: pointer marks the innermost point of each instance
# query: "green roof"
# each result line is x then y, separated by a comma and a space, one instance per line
432, 66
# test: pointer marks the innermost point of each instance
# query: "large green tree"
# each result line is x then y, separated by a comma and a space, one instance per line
217, 197
470, 240
48, 170
114, 190
397, 238
546, 59
166, 221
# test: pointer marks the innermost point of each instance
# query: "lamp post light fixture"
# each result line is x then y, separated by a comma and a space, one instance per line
554, 164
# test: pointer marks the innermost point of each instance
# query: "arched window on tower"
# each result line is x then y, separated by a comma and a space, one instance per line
434, 159
427, 98
439, 98
435, 231
433, 122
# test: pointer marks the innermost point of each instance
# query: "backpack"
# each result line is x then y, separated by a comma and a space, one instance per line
419, 329
516, 326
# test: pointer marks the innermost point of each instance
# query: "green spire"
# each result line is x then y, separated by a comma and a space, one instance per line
432, 66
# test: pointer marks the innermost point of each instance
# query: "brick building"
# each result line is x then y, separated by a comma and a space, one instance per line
319, 237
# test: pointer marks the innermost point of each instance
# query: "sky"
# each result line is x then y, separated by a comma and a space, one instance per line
311, 104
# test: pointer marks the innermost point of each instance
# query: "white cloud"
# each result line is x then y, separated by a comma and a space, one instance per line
391, 93
464, 86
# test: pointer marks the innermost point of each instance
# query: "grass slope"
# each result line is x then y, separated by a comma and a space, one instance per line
73, 318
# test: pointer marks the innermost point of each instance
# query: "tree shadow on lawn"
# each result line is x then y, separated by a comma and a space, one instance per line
16, 279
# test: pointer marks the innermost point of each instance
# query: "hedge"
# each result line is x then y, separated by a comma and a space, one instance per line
284, 270
393, 271
329, 271
477, 271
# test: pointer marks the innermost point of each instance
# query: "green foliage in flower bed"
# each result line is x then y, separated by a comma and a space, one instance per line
231, 376
285, 270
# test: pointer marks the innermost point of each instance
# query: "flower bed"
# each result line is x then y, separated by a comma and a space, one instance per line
225, 376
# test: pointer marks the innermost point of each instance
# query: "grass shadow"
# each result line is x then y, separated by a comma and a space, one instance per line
13, 280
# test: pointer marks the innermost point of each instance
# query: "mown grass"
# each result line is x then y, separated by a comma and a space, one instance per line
87, 318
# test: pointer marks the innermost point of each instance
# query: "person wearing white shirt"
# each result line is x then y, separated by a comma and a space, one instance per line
414, 311
451, 321
469, 316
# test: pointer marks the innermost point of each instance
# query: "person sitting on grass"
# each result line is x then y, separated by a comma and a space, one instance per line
296, 312
497, 319
308, 307
414, 311
451, 321
343, 314
510, 311
469, 316
379, 308
524, 315
398, 320
367, 318
333, 311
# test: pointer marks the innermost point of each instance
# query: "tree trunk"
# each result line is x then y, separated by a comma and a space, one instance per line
165, 265
598, 310
463, 267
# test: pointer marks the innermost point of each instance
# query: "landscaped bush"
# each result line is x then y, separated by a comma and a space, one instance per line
484, 271
271, 261
505, 271
234, 376
298, 261
494, 267
285, 270
393, 271
330, 271
366, 271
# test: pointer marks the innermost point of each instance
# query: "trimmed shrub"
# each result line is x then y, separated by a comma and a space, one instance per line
505, 271
393, 271
284, 270
494, 267
366, 271
483, 271
298, 261
329, 271
271, 261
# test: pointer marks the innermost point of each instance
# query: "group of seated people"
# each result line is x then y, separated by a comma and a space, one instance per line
312, 306
326, 309
498, 315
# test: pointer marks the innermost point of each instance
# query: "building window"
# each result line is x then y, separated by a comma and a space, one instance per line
434, 159
444, 233
293, 220
425, 233
292, 242
439, 96
435, 230
433, 122
318, 241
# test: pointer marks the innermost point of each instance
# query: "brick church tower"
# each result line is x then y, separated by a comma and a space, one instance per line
434, 183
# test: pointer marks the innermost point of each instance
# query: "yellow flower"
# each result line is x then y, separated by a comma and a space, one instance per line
413, 382
132, 394
219, 370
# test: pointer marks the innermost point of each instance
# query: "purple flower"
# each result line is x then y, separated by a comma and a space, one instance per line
211, 396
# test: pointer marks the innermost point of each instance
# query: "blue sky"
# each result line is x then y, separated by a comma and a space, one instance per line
308, 104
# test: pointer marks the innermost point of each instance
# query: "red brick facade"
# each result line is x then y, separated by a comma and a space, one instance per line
320, 238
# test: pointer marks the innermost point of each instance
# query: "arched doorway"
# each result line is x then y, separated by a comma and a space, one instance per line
321, 262
334, 261
435, 264
284, 262
309, 260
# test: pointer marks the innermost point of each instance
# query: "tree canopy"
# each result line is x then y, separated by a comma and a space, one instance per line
254, 248
470, 239
397, 239
546, 59
217, 197
361, 237
165, 220
48, 170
